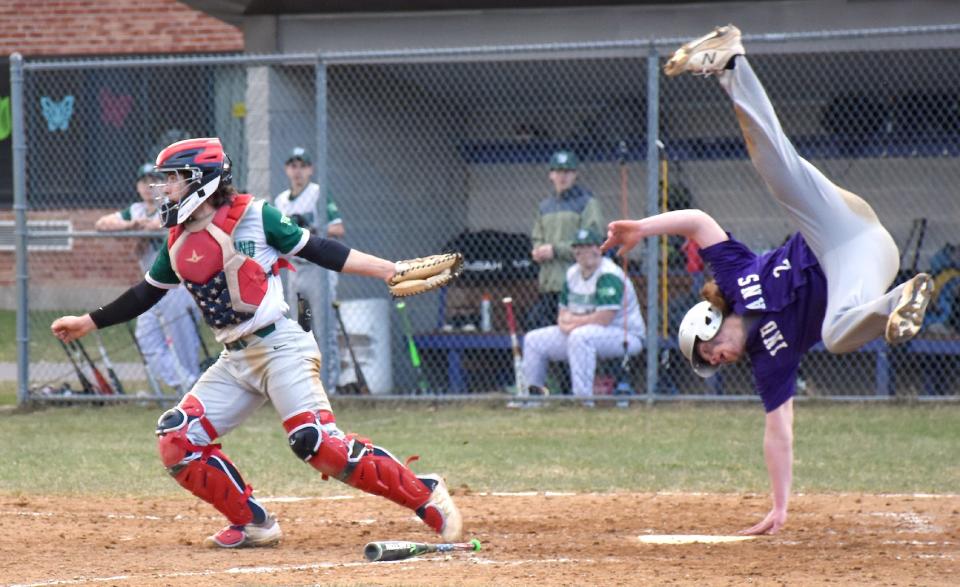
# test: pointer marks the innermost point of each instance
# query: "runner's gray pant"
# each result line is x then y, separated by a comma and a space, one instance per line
857, 254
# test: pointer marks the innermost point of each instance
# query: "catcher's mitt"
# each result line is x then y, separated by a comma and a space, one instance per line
415, 276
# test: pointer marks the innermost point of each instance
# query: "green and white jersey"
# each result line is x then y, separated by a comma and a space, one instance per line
602, 290
147, 249
305, 204
264, 234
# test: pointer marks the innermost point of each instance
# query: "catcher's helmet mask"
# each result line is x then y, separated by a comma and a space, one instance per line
195, 168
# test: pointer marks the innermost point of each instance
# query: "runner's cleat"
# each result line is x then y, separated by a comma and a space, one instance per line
907, 318
707, 55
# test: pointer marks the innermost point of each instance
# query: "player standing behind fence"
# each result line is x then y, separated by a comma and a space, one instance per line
173, 316
227, 249
590, 323
299, 203
559, 217
827, 282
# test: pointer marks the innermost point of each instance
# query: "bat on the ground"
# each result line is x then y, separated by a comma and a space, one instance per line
108, 363
84, 382
102, 382
422, 384
515, 346
399, 550
208, 359
361, 386
151, 380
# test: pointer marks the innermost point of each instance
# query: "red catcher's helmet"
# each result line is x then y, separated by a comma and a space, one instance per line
199, 166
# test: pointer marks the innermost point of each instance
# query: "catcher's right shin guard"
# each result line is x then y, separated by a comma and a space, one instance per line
316, 439
204, 470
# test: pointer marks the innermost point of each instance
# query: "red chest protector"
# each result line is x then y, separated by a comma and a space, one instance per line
227, 285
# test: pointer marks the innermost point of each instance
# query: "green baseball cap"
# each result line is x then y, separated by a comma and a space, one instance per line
301, 154
147, 170
564, 160
585, 236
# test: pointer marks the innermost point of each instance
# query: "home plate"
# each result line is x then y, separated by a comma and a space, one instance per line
690, 539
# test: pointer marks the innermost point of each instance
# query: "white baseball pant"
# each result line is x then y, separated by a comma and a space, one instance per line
858, 256
284, 367
580, 349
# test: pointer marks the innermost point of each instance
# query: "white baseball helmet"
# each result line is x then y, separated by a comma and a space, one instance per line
702, 322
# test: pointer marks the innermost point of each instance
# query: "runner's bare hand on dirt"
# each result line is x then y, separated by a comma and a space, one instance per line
69, 328
623, 233
771, 524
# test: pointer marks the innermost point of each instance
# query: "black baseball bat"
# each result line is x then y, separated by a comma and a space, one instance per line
395, 550
362, 387
102, 382
108, 363
304, 313
84, 382
422, 384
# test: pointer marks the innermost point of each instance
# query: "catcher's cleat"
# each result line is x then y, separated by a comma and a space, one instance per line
707, 55
450, 524
907, 317
266, 534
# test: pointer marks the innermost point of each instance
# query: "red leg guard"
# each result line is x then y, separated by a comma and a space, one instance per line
203, 470
354, 460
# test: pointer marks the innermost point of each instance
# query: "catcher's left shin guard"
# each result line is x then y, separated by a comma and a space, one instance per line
204, 470
316, 439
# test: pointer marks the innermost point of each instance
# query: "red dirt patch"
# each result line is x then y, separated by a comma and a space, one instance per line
544, 540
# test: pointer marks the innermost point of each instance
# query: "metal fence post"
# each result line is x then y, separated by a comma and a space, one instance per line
321, 176
650, 252
20, 231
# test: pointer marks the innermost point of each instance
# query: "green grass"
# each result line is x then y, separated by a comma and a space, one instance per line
871, 448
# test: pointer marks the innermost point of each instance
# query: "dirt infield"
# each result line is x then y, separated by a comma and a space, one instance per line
542, 539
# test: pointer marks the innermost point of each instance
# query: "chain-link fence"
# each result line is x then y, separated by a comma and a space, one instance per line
425, 151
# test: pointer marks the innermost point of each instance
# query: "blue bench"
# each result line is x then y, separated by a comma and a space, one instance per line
455, 343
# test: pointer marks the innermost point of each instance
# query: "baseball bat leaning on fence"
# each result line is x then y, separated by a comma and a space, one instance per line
623, 383
151, 380
422, 384
102, 382
515, 347
84, 382
399, 550
360, 387
108, 363
208, 360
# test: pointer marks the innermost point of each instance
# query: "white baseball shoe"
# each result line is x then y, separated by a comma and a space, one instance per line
451, 528
266, 534
707, 55
907, 317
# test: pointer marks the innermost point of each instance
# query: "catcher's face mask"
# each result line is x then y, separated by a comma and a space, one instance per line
193, 170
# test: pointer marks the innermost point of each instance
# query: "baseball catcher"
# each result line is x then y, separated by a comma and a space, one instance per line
227, 249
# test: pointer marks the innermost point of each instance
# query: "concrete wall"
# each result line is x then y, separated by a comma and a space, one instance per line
351, 32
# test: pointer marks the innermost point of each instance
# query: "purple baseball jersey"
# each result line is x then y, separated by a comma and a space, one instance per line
783, 296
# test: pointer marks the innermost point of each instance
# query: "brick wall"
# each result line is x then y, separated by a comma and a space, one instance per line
59, 278
102, 27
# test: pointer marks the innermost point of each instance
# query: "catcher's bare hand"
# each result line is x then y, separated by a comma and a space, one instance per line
624, 234
414, 276
771, 524
70, 328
